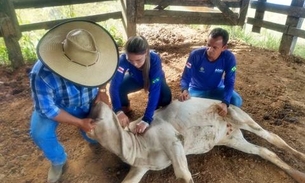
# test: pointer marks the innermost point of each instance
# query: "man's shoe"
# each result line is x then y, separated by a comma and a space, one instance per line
55, 172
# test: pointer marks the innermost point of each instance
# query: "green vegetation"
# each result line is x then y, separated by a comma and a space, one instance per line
265, 39
299, 50
3, 54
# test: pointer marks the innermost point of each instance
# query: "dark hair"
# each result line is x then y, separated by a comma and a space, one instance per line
219, 32
136, 45
139, 45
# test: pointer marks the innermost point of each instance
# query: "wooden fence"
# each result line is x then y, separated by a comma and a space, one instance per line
220, 12
292, 29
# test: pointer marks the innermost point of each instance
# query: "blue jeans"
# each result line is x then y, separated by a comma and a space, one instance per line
130, 85
43, 133
216, 94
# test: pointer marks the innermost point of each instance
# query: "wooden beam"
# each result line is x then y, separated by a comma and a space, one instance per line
259, 14
180, 17
299, 26
282, 9
129, 17
296, 32
139, 8
23, 4
292, 31
7, 9
50, 24
11, 42
287, 40
229, 14
243, 12
267, 25
206, 3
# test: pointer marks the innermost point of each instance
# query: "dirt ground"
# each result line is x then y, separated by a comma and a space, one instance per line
272, 87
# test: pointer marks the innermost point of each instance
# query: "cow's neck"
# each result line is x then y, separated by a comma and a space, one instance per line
117, 140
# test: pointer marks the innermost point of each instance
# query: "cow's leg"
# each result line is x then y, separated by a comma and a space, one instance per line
134, 175
176, 153
245, 122
272, 138
237, 141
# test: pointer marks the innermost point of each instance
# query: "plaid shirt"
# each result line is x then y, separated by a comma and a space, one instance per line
50, 93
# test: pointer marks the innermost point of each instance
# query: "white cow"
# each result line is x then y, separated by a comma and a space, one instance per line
182, 128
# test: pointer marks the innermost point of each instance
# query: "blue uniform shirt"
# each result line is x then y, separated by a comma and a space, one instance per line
51, 93
156, 75
201, 74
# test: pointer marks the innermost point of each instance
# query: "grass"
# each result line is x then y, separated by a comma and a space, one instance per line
265, 39
30, 39
3, 53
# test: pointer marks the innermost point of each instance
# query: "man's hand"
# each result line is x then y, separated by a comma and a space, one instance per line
141, 127
86, 124
222, 109
123, 119
102, 96
184, 96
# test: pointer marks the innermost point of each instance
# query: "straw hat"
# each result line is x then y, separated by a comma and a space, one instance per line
80, 51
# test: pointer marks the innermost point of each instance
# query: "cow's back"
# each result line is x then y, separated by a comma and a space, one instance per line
196, 120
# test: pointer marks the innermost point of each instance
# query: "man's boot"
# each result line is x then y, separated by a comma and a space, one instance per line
55, 172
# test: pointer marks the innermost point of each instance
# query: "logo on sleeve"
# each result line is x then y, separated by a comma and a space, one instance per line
155, 80
188, 65
233, 69
121, 69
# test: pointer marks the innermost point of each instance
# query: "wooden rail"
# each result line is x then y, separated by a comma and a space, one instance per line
24, 4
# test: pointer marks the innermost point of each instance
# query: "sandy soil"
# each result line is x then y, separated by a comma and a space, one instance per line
271, 85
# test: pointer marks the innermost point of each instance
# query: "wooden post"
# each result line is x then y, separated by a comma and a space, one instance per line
9, 30
244, 4
288, 42
260, 16
228, 13
129, 17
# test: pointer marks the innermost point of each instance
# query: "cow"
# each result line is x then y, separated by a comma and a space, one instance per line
182, 128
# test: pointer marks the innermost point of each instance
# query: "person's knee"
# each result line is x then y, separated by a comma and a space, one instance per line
166, 98
237, 101
39, 135
42, 129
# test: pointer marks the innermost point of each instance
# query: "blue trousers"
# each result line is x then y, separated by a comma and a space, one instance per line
130, 85
43, 133
216, 94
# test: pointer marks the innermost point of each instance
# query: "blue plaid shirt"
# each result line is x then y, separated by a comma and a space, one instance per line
50, 93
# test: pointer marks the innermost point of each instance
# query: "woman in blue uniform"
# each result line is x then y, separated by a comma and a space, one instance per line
139, 68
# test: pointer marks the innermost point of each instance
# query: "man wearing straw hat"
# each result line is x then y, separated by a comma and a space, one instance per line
76, 60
